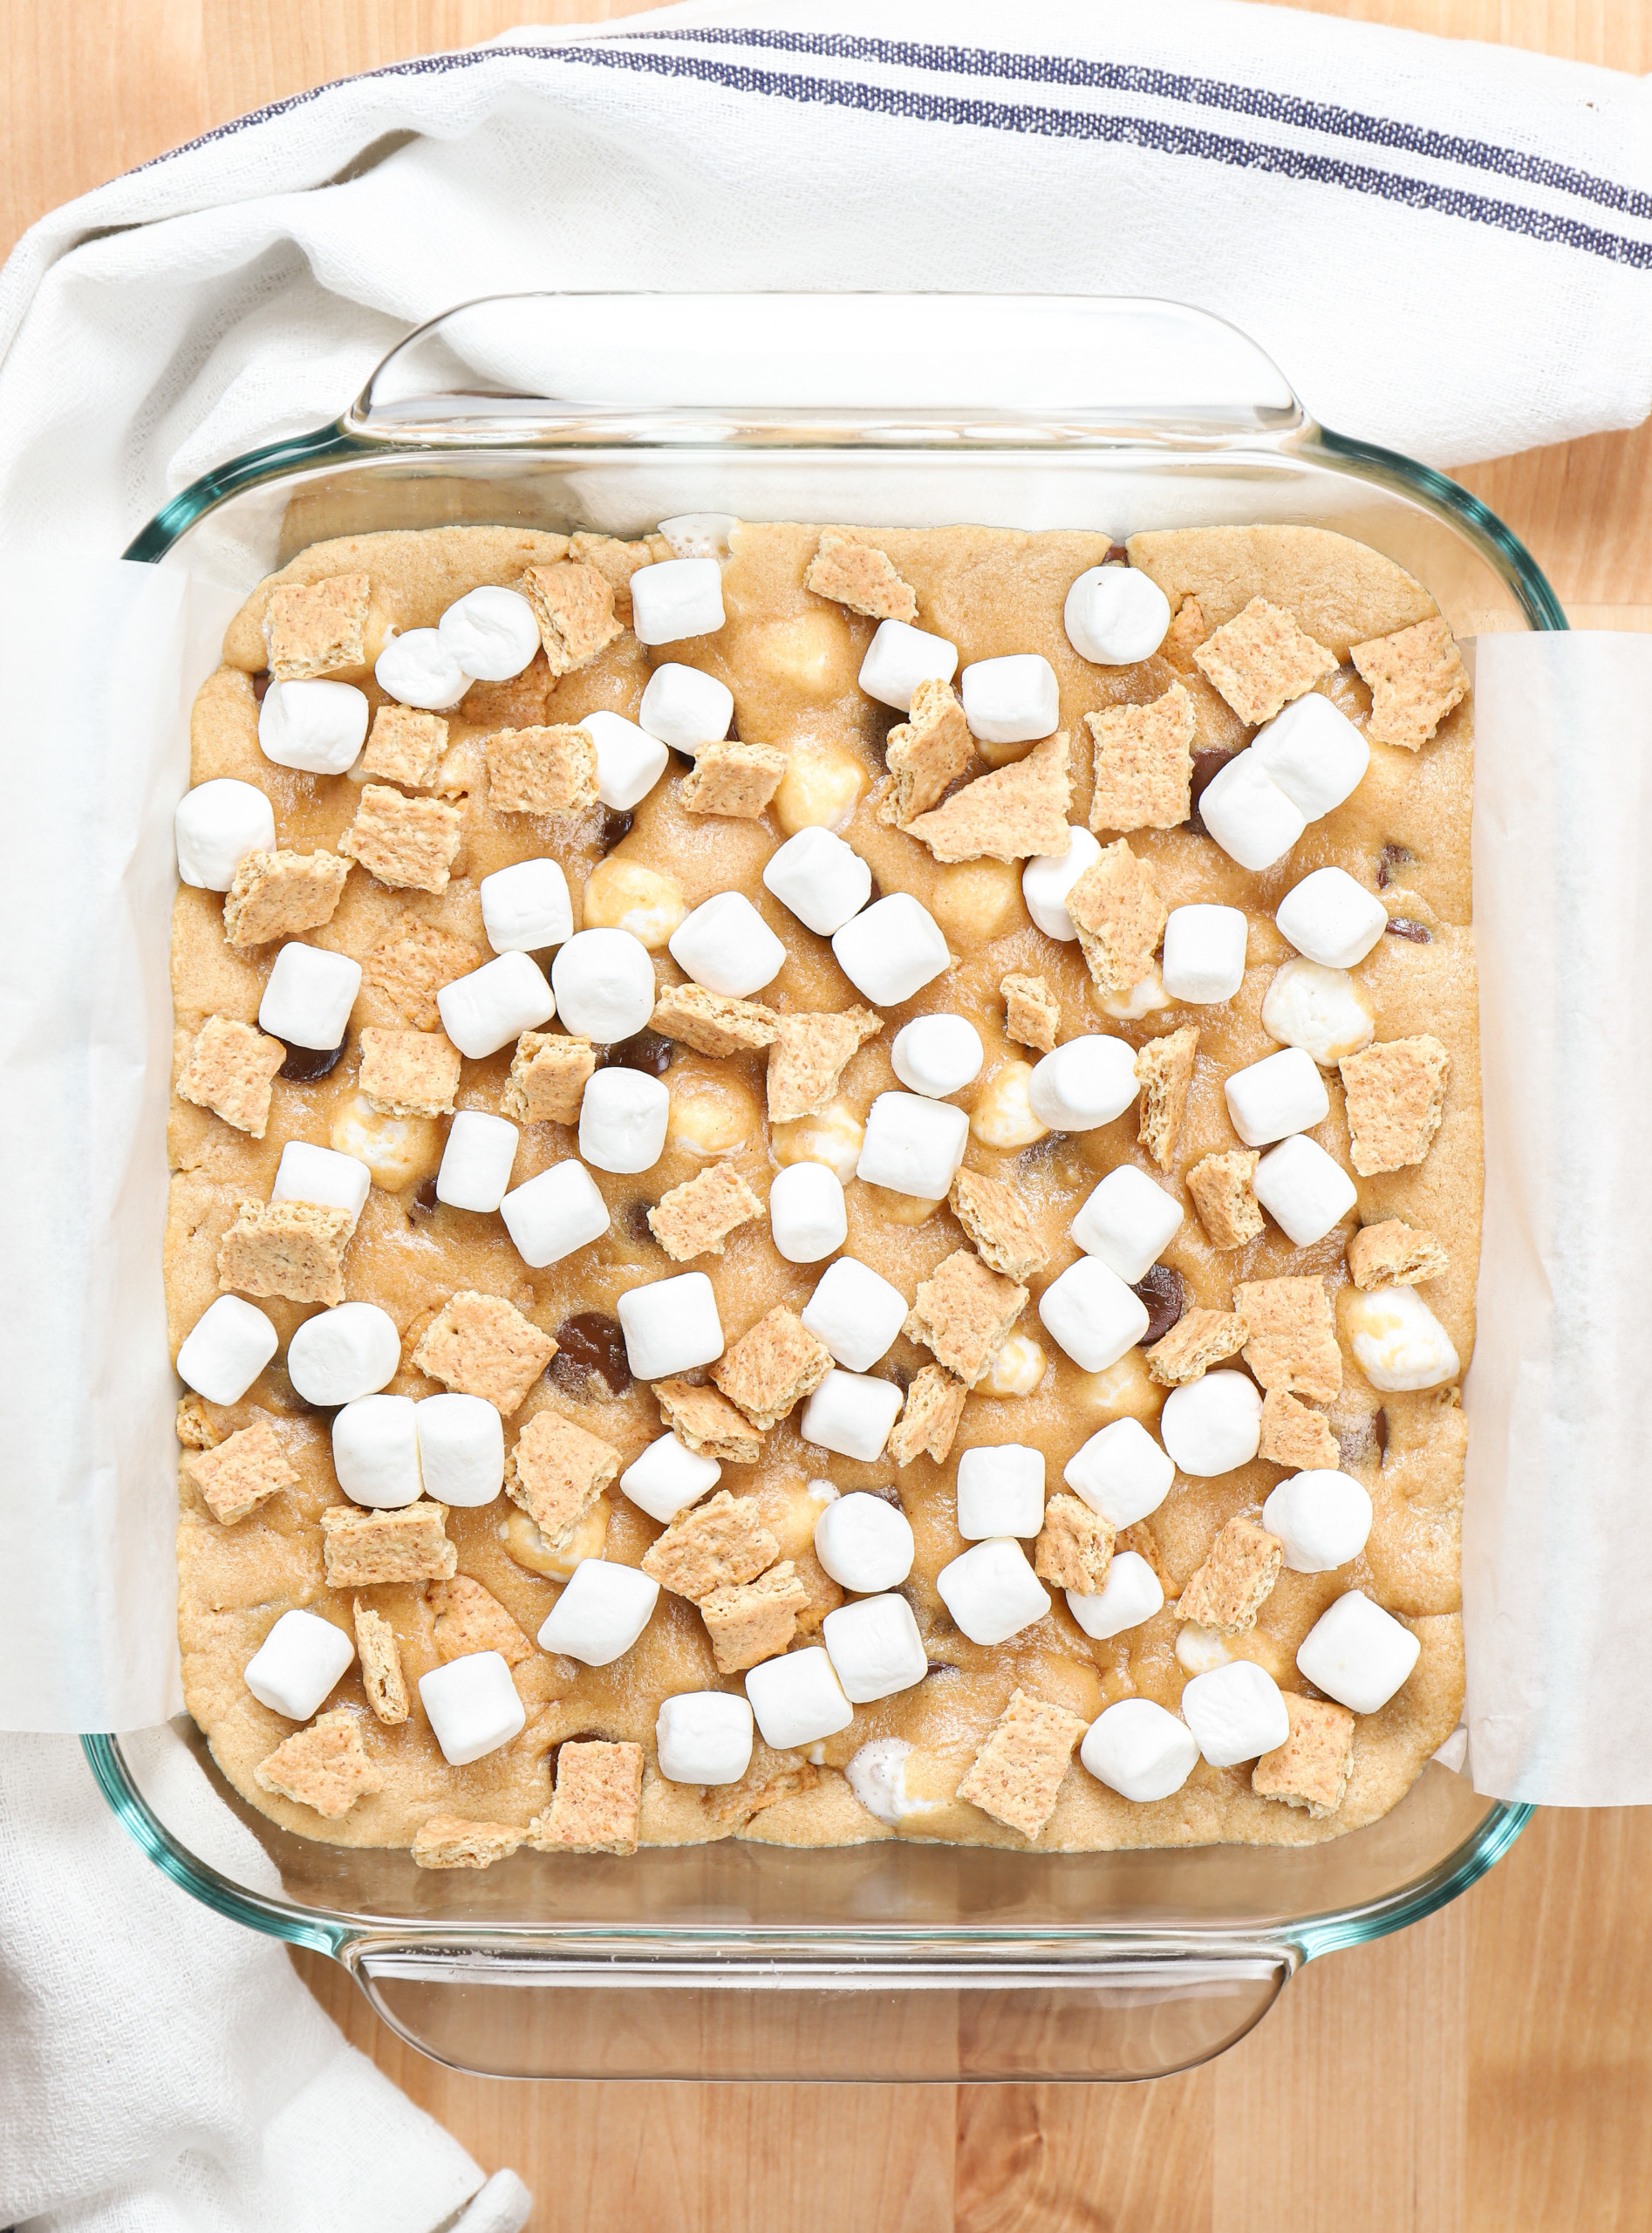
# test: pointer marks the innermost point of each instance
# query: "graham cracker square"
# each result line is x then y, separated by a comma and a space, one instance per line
1199, 1340
549, 1074
1010, 815
1393, 1254
712, 1023
854, 572
573, 605
1229, 1590
405, 746
544, 770
929, 1418
379, 1656
807, 1058
964, 1313
1290, 1339
705, 1422
1165, 1069
1310, 1769
733, 779
932, 748
695, 1218
277, 895
714, 1546
1295, 1434
1074, 1548
408, 1073
295, 1249
1143, 763
996, 1219
318, 628
1261, 661
1032, 1013
750, 1622
772, 1367
1396, 1099
470, 1618
324, 1766
556, 1472
1016, 1776
450, 1841
1184, 636
237, 1476
1119, 913
413, 961
1416, 678
408, 843
481, 1345
360, 1549
1224, 1196
230, 1071
597, 1799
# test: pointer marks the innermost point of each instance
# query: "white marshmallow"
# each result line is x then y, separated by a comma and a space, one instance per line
297, 1664
912, 1146
1138, 1750
1131, 1594
724, 945
352, 1350
1144, 996
226, 1349
1305, 1191
558, 1210
1357, 1653
603, 1610
604, 981
699, 535
1199, 1649
877, 1775
1314, 754
898, 658
461, 1449
797, 1699
808, 1217
1212, 1424
863, 1543
1321, 1518
1322, 1011
937, 1054
671, 1325
215, 826
1086, 1084
623, 1119
629, 761
1235, 1712
875, 1648
1115, 615
1017, 1369
855, 1313
1001, 1491
1398, 1342
306, 1173
892, 949
1281, 1094
668, 1477
992, 1591
823, 882
482, 1011
1204, 953
704, 1737
375, 1451
1248, 815
1120, 1472
1049, 877
1331, 919
685, 708
676, 599
1011, 700
1128, 1222
477, 1161
1092, 1314
419, 669
491, 632
309, 997
851, 1414
526, 907
318, 727
472, 1705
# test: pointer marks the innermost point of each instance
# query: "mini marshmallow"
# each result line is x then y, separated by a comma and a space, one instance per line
898, 658
558, 1210
676, 599
1235, 1712
1138, 1750
992, 1591
472, 1705
1398, 1342
1305, 1191
1212, 1424
491, 632
1086, 1084
1357, 1653
306, 1173
419, 669
1131, 1594
629, 761
1199, 1649
484, 1011
851, 1414
318, 727
892, 949
601, 1612
226, 1349
1092, 1314
461, 1449
685, 708
1128, 1222
1248, 815
877, 1775
699, 535
668, 1477
724, 945
808, 1217
375, 1451
1321, 1517
857, 1313
477, 1161
623, 1119
875, 1648
1121, 1472
1115, 615
1322, 1011
797, 1699
912, 1146
704, 1737
338, 1355
1204, 953
937, 1055
297, 1664
1331, 919
1314, 754
671, 1325
526, 907
1000, 1492
604, 981
823, 882
1011, 700
1049, 877
863, 1543
309, 997
1280, 1095
215, 826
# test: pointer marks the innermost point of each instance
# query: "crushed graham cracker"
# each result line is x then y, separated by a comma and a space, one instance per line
1184, 636
231, 1070
1165, 1068
1229, 1590
712, 1023
1032, 1012
541, 770
1416, 678
312, 628
408, 1073
470, 1618
1295, 1434
1292, 1338
326, 1767
1016, 1776
1119, 913
481, 1345
695, 1218
597, 1802
708, 1423
549, 1074
556, 1471
1010, 814
1075, 1546
1143, 763
574, 604
852, 571
807, 1058
1199, 1340
713, 1546
616, 561
997, 1220
1396, 1099
276, 895
1310, 1769
451, 1841
932, 748
1261, 661
1224, 1196
772, 1367
733, 778
1393, 1254
361, 1549
964, 1313
929, 1418
413, 961
381, 1671
750, 1622
236, 1476
295, 1249
410, 844
405, 746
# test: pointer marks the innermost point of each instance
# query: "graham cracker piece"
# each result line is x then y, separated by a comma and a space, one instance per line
520, 703
556, 1472
230, 1071
854, 572
932, 748
750, 1622
408, 1073
1396, 1099
1143, 763
1184, 636
382, 1672
772, 1366
1142, 1539
713, 1546
1119, 913
543, 770
597, 1801
1291, 1342
695, 1218
1229, 1590
277, 895
1033, 1015
964, 1313
996, 1219
413, 961
450, 1841
324, 1766
295, 1249
1074, 1548
405, 746
732, 778
1224, 1197
1295, 1434
549, 1074
1012, 814
1415, 678
712, 1023
1165, 1068
470, 1618
1261, 661
1310, 1769
361, 1549
1393, 1254
236, 1477
1199, 1340
407, 843
318, 628
929, 1417
616, 561
573, 605
1017, 1773
194, 1423
481, 1345
807, 1057
705, 1422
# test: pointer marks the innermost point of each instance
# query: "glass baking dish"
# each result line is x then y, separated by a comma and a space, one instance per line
897, 1960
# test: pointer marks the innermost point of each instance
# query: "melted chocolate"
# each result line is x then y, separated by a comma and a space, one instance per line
591, 1342
260, 686
644, 1050
615, 826
1392, 856
1379, 1428
1164, 1292
305, 1065
1401, 926
427, 1198
634, 1218
1117, 554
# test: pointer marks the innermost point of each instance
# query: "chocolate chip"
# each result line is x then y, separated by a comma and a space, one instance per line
305, 1065
644, 1050
1379, 1429
1117, 554
1165, 1295
591, 1342
941, 1667
1206, 766
260, 686
1401, 926
1393, 856
615, 826
427, 1197
634, 1219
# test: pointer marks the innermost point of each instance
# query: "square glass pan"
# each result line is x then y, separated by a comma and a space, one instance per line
899, 1959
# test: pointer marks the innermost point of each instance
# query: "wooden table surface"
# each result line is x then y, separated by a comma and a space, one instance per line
1488, 2069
